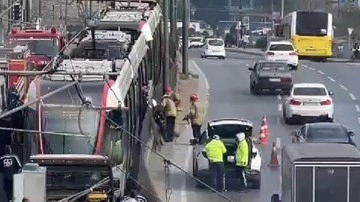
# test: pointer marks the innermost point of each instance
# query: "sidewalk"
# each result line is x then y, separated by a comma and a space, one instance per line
180, 151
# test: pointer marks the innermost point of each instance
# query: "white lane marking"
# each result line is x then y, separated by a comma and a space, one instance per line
311, 68
279, 107
357, 108
278, 97
321, 72
352, 96
343, 87
331, 79
304, 66
359, 120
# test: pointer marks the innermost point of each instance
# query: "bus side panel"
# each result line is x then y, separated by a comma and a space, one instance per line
304, 184
354, 184
330, 184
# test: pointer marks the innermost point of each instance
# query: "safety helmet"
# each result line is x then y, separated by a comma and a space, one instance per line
194, 98
240, 136
216, 137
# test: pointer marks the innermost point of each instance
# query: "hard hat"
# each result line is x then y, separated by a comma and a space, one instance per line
194, 97
240, 136
216, 137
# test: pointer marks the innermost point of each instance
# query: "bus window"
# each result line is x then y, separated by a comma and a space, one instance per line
317, 27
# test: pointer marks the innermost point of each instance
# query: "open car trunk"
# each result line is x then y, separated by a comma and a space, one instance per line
227, 133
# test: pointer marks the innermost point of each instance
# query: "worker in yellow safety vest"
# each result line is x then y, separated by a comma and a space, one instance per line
215, 151
242, 158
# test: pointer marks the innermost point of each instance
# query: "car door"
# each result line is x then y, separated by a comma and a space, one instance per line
285, 97
254, 73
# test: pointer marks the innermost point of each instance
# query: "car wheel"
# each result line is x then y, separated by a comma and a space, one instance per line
330, 120
205, 56
202, 56
256, 184
288, 121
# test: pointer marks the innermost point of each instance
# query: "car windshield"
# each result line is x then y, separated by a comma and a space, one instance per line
281, 47
229, 131
274, 67
48, 47
330, 132
216, 42
74, 177
310, 91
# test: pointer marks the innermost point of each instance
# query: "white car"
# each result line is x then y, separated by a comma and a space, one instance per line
282, 51
308, 100
214, 47
196, 42
227, 130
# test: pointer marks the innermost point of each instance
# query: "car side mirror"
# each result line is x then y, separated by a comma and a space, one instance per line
251, 69
351, 133
331, 92
117, 183
194, 141
294, 133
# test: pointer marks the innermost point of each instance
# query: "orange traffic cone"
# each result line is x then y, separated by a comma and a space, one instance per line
274, 162
265, 126
264, 132
263, 138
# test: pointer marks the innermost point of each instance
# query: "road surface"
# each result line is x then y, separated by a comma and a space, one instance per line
230, 97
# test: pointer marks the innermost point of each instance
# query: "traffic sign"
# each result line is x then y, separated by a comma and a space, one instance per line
350, 30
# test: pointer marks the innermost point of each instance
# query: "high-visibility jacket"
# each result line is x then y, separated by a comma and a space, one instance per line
196, 114
242, 154
215, 150
169, 107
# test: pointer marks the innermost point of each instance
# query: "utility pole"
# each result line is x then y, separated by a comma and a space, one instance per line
282, 8
185, 36
39, 9
166, 46
173, 29
66, 13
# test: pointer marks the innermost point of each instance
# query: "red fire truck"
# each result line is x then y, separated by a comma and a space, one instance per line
43, 44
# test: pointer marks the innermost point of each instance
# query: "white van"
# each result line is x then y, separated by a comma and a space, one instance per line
214, 47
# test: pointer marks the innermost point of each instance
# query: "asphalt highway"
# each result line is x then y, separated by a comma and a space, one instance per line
230, 97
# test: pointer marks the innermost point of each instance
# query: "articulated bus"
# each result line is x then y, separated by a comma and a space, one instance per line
311, 33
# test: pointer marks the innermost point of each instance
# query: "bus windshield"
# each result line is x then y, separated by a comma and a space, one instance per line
317, 27
48, 47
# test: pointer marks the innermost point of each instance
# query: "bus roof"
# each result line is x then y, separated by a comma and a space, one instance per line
318, 151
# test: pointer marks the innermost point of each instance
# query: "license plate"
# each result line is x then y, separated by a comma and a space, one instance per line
231, 159
274, 80
216, 51
311, 104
